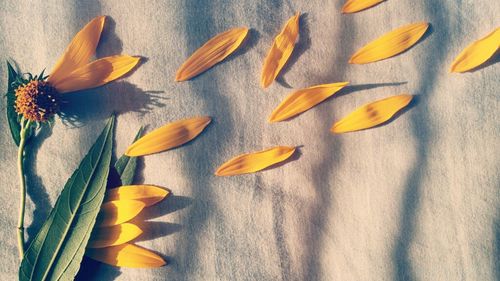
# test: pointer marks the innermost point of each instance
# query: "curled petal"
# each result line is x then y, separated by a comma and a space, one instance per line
372, 114
168, 136
390, 44
352, 6
79, 51
303, 100
126, 255
113, 235
211, 53
96, 73
118, 211
280, 51
477, 53
256, 161
148, 194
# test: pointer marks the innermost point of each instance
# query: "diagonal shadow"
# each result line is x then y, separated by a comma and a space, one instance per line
423, 135
199, 19
322, 170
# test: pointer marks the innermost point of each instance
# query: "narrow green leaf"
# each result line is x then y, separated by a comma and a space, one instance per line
12, 116
57, 250
126, 166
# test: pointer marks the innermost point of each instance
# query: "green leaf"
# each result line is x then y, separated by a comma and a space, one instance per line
12, 116
57, 250
126, 166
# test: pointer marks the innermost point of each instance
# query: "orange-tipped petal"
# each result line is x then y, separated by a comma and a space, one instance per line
477, 53
169, 136
256, 161
118, 211
352, 6
113, 235
96, 73
280, 51
126, 255
390, 44
148, 194
79, 51
372, 114
211, 53
303, 100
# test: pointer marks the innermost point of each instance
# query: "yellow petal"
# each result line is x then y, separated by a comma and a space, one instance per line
280, 51
168, 136
148, 194
352, 6
372, 114
118, 211
96, 73
211, 53
477, 53
303, 100
256, 161
126, 255
113, 235
390, 44
79, 51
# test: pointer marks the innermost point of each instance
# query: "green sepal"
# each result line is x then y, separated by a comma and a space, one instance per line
12, 117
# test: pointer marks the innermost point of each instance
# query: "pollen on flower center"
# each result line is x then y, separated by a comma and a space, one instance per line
36, 100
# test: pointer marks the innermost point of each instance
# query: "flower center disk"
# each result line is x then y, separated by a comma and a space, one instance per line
37, 100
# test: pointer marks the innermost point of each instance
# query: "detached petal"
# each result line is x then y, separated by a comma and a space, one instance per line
390, 44
126, 255
148, 194
114, 235
256, 161
118, 212
96, 73
477, 53
352, 6
211, 53
372, 114
280, 51
79, 51
168, 136
303, 100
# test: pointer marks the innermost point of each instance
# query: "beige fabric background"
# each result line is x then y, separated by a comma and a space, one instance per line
417, 199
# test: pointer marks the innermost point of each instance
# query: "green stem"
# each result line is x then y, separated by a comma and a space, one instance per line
25, 126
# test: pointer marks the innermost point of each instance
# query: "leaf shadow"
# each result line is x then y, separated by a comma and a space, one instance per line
302, 45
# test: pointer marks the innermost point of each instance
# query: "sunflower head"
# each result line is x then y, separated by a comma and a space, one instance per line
36, 100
